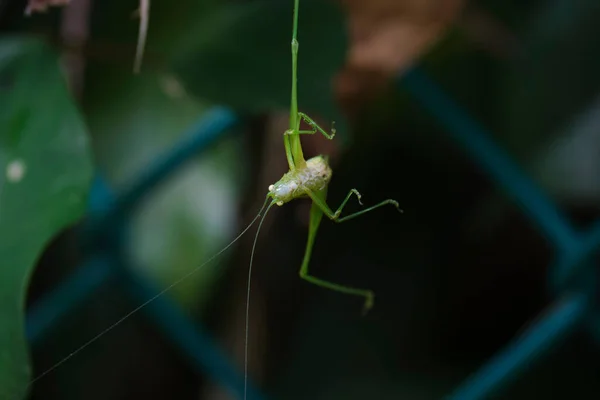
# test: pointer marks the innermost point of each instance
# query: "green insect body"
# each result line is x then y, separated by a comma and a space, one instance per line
310, 179
314, 176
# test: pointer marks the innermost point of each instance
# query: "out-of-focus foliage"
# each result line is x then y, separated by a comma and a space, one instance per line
134, 120
189, 217
551, 83
555, 83
240, 55
45, 169
555, 77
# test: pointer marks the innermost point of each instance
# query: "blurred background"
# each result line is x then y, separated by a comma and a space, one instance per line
457, 276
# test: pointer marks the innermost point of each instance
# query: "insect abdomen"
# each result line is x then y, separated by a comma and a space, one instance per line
317, 174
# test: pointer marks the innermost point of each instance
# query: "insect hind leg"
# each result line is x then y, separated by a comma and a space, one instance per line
335, 216
366, 293
316, 214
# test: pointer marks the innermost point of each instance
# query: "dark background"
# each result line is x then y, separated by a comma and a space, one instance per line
456, 276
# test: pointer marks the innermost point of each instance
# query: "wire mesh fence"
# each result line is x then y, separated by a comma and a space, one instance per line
572, 277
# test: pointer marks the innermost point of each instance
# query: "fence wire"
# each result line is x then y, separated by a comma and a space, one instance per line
572, 278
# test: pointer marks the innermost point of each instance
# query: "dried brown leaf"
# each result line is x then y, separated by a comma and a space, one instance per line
42, 5
386, 37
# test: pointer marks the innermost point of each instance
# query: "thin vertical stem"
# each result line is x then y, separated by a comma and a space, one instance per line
294, 102
292, 142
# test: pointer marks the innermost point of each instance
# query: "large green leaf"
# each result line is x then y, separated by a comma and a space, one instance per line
240, 56
45, 170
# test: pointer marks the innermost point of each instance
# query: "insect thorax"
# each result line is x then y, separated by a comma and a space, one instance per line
294, 184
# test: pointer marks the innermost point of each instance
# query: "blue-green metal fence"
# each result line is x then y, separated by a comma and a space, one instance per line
572, 278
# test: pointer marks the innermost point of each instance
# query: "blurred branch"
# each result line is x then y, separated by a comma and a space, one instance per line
144, 14
74, 32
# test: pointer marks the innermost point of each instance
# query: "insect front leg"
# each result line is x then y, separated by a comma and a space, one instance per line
315, 127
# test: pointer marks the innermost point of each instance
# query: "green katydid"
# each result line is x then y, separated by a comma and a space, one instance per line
305, 179
310, 178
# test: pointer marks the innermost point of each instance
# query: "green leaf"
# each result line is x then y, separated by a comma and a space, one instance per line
45, 171
240, 56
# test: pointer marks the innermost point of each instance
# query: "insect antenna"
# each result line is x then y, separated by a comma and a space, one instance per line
248, 300
151, 299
